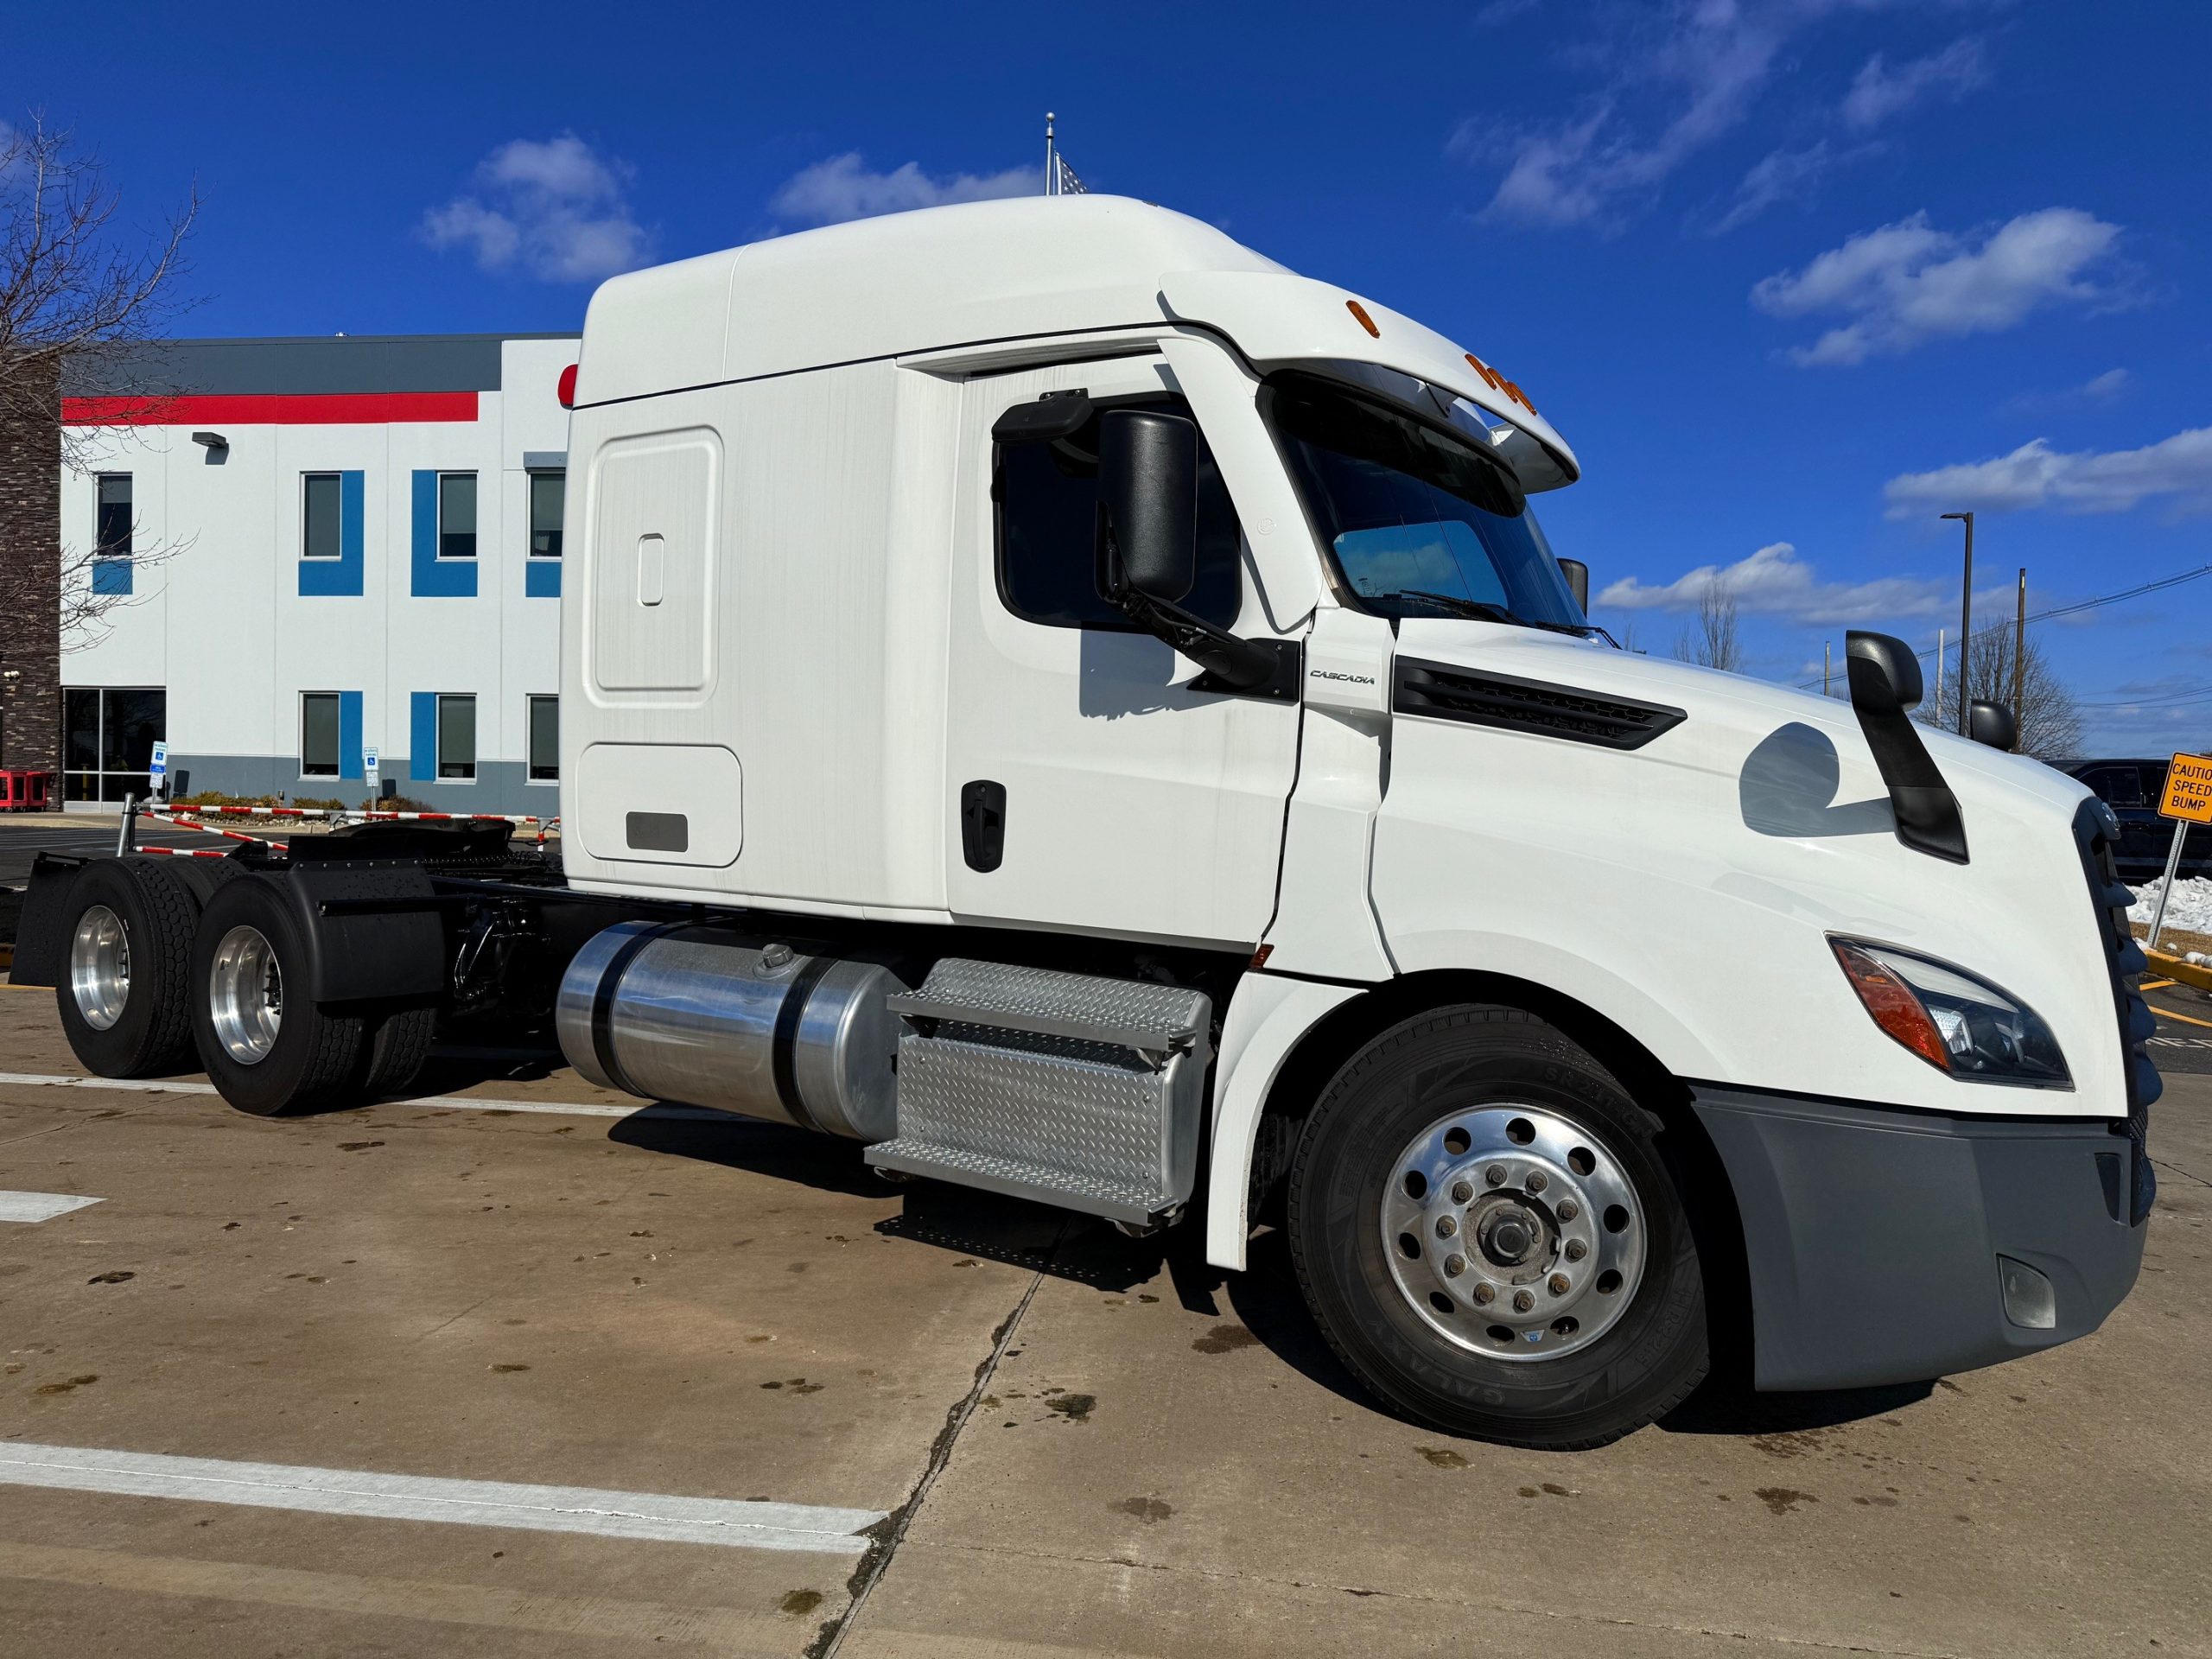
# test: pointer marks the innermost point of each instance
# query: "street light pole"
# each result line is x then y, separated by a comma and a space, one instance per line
2020, 644
1966, 617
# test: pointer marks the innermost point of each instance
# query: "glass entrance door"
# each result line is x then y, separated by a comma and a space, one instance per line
108, 735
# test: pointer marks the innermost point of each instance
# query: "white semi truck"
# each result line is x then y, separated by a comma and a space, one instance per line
1056, 697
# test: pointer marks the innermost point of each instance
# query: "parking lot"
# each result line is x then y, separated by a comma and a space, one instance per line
328, 1384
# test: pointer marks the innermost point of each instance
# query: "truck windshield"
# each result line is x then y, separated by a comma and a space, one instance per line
1419, 520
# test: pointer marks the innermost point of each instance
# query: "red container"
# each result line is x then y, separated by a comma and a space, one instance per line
22, 791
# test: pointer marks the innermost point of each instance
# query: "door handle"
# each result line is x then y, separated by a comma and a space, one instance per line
982, 824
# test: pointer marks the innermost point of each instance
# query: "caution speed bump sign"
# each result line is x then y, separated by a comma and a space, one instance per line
2189, 789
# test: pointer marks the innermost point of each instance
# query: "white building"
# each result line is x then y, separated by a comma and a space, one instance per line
367, 559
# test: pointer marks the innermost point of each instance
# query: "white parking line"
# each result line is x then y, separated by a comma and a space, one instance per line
39, 1206
442, 1102
656, 1516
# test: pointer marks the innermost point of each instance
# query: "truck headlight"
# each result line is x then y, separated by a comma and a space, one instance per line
1957, 1023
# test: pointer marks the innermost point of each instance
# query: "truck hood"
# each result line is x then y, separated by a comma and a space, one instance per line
1696, 877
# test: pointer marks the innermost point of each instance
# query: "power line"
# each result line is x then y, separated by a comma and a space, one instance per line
2162, 699
2159, 586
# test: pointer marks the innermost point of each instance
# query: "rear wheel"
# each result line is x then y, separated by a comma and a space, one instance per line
123, 990
397, 1049
269, 1049
1488, 1232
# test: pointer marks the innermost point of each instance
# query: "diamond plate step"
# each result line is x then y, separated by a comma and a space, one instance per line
1135, 1014
1040, 1183
1076, 1091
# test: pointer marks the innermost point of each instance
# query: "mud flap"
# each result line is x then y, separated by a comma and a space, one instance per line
42, 932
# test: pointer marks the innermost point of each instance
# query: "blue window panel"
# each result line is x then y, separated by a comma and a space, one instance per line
422, 733
541, 579
454, 578
339, 578
349, 737
110, 575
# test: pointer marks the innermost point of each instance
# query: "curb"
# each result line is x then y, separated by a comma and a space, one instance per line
2185, 973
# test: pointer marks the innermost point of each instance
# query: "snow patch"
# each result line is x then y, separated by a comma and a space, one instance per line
2189, 909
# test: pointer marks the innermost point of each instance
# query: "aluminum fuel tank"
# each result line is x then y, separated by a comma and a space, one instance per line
690, 1014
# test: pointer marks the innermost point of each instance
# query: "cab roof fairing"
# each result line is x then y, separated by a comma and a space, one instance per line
1277, 318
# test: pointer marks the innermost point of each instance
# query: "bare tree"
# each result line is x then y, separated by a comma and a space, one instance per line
2051, 720
1713, 643
80, 296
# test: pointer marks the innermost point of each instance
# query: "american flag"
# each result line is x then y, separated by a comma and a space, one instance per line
1064, 182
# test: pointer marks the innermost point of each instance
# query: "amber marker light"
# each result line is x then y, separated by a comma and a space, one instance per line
1360, 316
1483, 369
1893, 1004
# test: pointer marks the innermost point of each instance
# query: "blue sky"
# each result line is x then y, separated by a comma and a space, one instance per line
1793, 276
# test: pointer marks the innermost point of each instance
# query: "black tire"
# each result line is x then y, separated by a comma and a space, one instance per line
1634, 1359
124, 1004
314, 1057
397, 1049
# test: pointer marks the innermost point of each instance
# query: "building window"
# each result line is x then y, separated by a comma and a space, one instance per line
457, 737
112, 535
456, 515
318, 734
548, 501
319, 517
107, 739
1047, 496
544, 739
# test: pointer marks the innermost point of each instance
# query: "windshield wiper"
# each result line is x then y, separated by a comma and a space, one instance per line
1478, 610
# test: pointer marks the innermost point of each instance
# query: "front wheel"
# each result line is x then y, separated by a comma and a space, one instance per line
1487, 1232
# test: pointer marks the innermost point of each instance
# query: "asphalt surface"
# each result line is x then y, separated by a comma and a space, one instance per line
1080, 1444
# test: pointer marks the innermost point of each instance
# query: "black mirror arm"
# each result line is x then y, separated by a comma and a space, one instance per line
1885, 685
1240, 665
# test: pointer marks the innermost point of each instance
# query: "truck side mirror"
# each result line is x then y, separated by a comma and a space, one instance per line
1148, 484
1992, 724
1578, 582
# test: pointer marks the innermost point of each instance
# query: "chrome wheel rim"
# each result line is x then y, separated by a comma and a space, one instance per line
246, 996
1513, 1232
99, 967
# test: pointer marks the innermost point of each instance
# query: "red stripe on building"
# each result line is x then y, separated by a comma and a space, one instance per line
272, 409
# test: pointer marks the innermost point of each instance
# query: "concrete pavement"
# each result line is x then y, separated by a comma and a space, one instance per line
1081, 1444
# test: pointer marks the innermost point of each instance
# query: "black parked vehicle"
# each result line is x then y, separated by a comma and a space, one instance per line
2132, 789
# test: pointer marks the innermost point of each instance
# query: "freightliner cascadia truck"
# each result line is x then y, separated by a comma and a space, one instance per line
1052, 695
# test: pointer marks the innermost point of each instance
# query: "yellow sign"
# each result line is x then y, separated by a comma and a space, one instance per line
2189, 789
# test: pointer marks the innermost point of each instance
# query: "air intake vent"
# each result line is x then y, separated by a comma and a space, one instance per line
1444, 692
2095, 831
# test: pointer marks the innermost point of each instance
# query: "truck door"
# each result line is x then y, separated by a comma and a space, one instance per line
1089, 788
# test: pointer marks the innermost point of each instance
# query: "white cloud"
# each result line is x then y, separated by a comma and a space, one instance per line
843, 188
1909, 283
1708, 60
1783, 175
1880, 91
1775, 581
2106, 386
2084, 480
1673, 79
554, 209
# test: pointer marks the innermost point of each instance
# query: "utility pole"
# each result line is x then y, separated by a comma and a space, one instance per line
2020, 643
1827, 665
1966, 619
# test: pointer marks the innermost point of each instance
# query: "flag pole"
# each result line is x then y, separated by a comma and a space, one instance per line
1051, 172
